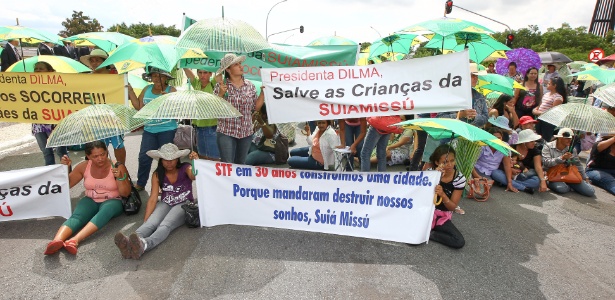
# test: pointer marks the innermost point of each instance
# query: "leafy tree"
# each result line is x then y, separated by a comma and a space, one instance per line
365, 46
78, 23
141, 29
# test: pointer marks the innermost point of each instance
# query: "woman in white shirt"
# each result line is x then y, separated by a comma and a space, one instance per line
319, 155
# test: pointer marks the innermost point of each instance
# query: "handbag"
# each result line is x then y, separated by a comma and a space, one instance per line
281, 149
381, 124
564, 173
479, 189
132, 203
185, 137
191, 215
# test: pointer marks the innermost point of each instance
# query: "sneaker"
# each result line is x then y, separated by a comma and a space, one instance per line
136, 246
529, 191
122, 243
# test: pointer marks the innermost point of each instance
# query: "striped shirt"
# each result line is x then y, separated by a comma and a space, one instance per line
243, 99
547, 101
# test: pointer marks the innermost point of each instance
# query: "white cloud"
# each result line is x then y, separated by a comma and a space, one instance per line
350, 18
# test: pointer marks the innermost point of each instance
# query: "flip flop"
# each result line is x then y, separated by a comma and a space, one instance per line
71, 246
53, 247
460, 211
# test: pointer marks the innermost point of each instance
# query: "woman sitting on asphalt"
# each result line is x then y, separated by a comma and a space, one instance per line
161, 217
531, 159
505, 106
558, 152
263, 130
448, 191
601, 165
319, 155
104, 185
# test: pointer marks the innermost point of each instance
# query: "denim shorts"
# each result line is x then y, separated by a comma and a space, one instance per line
206, 140
117, 141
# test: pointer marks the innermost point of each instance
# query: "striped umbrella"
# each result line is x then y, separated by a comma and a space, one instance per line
223, 35
94, 123
189, 104
579, 116
59, 63
606, 94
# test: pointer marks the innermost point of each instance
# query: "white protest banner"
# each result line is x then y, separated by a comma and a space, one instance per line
34, 193
423, 85
388, 206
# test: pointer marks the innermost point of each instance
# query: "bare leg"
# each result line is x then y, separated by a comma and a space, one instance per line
63, 233
88, 230
120, 155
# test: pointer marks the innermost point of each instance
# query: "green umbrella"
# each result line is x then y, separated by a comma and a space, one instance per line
605, 76
576, 65
445, 27
28, 35
189, 104
579, 116
137, 83
223, 35
93, 123
151, 51
104, 40
496, 82
480, 46
59, 63
332, 40
492, 97
606, 94
396, 43
441, 128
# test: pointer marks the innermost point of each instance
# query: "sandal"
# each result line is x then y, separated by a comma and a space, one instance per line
53, 247
139, 188
460, 211
71, 246
121, 241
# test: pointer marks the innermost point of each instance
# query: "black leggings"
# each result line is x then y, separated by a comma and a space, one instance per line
421, 137
447, 234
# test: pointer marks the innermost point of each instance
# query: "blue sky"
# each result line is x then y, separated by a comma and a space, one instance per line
352, 19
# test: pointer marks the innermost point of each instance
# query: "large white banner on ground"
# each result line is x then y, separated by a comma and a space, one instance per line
423, 85
34, 193
388, 206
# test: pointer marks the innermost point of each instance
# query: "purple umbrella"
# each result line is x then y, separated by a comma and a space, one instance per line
525, 59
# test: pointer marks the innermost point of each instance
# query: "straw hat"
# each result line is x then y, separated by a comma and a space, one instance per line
168, 152
528, 135
564, 133
501, 122
95, 53
228, 60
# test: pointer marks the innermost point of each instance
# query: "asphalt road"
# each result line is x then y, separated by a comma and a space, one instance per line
517, 247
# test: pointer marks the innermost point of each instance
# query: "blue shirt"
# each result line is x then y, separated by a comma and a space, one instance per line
157, 125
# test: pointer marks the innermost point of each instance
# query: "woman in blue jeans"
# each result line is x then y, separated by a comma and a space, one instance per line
601, 165
319, 155
164, 216
531, 159
264, 130
352, 132
156, 132
374, 139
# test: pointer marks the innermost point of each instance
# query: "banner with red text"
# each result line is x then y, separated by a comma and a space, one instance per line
388, 206
47, 98
423, 85
34, 193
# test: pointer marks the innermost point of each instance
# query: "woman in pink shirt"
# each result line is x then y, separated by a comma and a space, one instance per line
104, 185
555, 95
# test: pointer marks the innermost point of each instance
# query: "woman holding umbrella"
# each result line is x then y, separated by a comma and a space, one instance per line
104, 185
156, 132
558, 152
555, 95
601, 165
234, 135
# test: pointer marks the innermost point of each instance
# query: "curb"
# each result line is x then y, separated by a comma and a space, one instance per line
9, 147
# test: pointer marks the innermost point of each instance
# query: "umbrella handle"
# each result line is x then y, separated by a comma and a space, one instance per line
194, 171
436, 201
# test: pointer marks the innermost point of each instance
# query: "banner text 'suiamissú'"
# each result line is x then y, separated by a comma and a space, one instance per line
390, 206
47, 98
